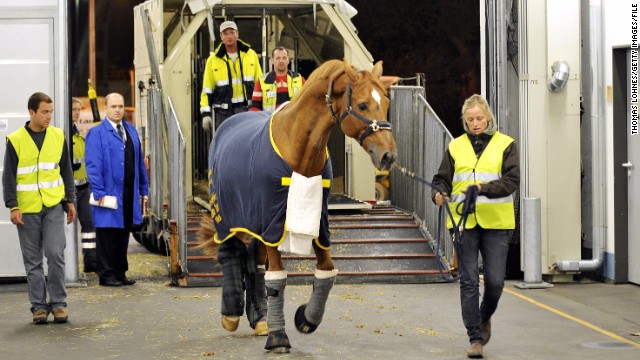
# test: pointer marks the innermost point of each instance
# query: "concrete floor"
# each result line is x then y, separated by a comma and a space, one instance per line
152, 320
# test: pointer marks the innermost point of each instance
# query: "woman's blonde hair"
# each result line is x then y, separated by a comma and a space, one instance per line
477, 100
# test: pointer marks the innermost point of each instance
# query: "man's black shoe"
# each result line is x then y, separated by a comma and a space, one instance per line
110, 283
127, 281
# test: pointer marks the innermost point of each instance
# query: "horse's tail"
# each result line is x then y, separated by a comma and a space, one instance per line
206, 233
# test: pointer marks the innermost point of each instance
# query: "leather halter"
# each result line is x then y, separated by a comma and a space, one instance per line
374, 125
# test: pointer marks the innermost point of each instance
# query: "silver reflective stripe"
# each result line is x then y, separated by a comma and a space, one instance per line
51, 184
484, 176
238, 99
27, 169
462, 177
222, 82
236, 81
248, 78
91, 245
88, 235
27, 187
207, 90
78, 160
482, 199
80, 182
48, 165
205, 109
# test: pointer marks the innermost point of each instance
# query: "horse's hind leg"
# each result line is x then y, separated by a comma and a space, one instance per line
276, 281
232, 258
309, 315
256, 292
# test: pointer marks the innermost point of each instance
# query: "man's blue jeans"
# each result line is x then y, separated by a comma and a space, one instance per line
43, 234
493, 245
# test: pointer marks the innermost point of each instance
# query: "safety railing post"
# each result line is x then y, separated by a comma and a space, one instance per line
532, 240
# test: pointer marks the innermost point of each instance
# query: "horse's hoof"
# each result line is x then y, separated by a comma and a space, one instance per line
301, 322
261, 329
230, 323
278, 342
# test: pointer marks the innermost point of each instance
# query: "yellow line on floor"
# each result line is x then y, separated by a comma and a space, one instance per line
579, 321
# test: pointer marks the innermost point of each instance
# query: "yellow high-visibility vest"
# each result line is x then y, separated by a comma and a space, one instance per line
270, 90
490, 213
38, 177
79, 176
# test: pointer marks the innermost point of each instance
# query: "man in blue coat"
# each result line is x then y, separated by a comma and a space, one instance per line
116, 170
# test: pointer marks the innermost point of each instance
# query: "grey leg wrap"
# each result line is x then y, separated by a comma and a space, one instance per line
276, 281
275, 303
309, 316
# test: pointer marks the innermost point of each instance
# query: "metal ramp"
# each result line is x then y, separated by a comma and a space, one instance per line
380, 244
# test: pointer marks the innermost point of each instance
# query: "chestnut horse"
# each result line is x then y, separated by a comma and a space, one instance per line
255, 157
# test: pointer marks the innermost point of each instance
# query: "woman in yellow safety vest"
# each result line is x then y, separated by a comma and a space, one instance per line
486, 159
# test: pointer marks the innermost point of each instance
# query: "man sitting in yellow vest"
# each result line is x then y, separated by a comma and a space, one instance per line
278, 86
38, 187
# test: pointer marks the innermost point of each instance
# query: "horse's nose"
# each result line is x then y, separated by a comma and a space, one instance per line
387, 160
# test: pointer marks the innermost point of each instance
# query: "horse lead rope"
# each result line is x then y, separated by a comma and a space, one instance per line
468, 207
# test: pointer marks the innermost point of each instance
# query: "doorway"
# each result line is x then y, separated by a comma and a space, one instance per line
626, 159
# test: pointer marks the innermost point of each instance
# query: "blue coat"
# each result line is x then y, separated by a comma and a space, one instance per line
104, 158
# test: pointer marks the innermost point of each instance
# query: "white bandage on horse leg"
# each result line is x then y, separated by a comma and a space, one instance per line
322, 285
275, 282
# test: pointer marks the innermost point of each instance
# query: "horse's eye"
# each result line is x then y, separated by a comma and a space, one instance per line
363, 106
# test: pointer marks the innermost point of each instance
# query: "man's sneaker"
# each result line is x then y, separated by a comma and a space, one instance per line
40, 317
485, 329
60, 315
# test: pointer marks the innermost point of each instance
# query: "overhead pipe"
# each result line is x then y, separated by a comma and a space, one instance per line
598, 130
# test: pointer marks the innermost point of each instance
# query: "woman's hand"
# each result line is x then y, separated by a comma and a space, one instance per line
439, 199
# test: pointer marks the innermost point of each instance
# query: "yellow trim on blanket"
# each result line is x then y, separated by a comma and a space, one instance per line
234, 231
286, 181
273, 143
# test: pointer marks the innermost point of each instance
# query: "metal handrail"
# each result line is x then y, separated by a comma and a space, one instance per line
176, 156
422, 140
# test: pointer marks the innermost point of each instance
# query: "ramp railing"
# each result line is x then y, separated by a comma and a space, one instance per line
422, 140
176, 172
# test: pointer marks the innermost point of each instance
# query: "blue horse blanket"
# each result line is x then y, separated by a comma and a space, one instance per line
248, 182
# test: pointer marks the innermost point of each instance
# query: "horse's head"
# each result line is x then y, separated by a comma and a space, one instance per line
361, 112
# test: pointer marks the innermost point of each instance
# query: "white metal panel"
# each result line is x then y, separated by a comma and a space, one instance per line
27, 3
551, 141
26, 62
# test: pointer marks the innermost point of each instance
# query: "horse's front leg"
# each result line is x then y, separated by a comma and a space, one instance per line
309, 315
276, 281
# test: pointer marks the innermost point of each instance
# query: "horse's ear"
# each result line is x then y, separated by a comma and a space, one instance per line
377, 70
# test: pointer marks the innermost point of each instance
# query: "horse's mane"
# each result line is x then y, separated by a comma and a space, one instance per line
330, 70
325, 70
